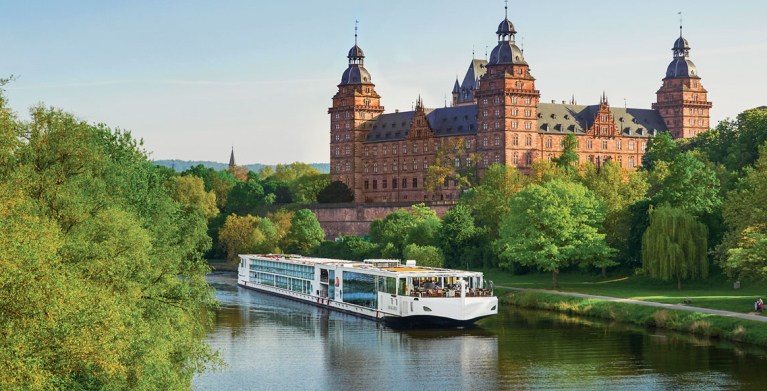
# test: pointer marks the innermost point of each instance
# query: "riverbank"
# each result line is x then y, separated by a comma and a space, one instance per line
693, 322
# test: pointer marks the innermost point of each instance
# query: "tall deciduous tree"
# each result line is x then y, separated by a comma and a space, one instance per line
742, 252
568, 160
660, 148
305, 233
554, 225
490, 200
247, 234
618, 189
690, 186
675, 246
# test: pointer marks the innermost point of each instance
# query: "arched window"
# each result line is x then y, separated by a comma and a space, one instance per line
528, 141
631, 162
375, 168
549, 143
425, 164
515, 158
515, 140
529, 158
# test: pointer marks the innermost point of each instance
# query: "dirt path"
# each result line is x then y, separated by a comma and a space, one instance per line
738, 315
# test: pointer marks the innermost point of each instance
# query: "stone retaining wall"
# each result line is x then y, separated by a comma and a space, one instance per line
355, 219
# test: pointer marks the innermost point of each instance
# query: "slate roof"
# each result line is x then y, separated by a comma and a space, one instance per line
554, 118
564, 118
446, 121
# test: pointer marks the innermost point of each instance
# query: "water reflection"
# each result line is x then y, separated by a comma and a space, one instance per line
274, 343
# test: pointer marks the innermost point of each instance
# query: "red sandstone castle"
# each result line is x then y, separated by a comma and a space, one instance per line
496, 117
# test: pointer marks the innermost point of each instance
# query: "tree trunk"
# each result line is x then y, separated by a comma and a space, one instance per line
679, 283
554, 281
604, 271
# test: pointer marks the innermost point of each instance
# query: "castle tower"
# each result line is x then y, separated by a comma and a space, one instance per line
355, 105
682, 101
507, 105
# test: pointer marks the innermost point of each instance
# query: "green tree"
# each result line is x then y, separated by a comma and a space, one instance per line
452, 163
246, 198
306, 188
618, 189
102, 270
248, 235
428, 256
334, 192
291, 172
489, 201
674, 246
568, 160
305, 233
552, 226
741, 252
190, 191
459, 238
690, 186
660, 148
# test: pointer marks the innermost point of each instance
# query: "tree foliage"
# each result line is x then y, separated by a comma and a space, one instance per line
452, 163
690, 186
674, 246
428, 256
489, 201
552, 226
568, 160
334, 192
101, 269
305, 233
248, 235
661, 148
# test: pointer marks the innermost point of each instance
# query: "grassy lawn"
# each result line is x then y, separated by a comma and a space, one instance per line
716, 292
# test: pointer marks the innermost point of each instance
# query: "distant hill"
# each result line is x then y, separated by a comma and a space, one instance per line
182, 165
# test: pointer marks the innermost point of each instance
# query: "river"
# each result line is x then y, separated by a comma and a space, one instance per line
271, 343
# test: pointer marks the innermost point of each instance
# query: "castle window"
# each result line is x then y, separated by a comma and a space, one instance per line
385, 150
631, 162
338, 137
404, 149
497, 140
484, 113
549, 142
528, 101
385, 166
375, 151
695, 97
513, 124
375, 168
348, 126
528, 125
631, 146
415, 148
514, 99
468, 161
404, 183
548, 158
394, 166
497, 100
393, 149
347, 150
384, 183
484, 101
415, 165
484, 141
375, 184
497, 125
338, 126
514, 112
348, 167
644, 145
484, 161
497, 159
338, 167
519, 85
515, 140
497, 113
529, 158
415, 183
425, 164
691, 121
691, 110
394, 183
604, 144
366, 151
366, 168
528, 141
588, 144
620, 161
618, 145
528, 113
348, 137
366, 184
347, 115
426, 146
515, 159
603, 130
484, 126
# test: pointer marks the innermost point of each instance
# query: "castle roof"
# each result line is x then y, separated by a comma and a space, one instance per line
553, 118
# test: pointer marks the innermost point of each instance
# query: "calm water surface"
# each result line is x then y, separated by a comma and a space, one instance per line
270, 343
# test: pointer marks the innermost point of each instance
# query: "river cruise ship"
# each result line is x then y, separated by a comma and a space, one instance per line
380, 289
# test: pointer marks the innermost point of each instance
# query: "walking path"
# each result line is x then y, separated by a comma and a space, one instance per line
738, 315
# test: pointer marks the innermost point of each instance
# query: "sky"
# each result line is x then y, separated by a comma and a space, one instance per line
195, 78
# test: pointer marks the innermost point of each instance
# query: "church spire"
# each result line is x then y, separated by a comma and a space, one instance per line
232, 163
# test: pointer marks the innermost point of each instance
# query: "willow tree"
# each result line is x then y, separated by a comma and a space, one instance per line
675, 246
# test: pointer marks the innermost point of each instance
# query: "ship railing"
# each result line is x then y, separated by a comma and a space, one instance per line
470, 292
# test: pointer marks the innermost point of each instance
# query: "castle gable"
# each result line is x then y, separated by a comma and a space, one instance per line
445, 121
